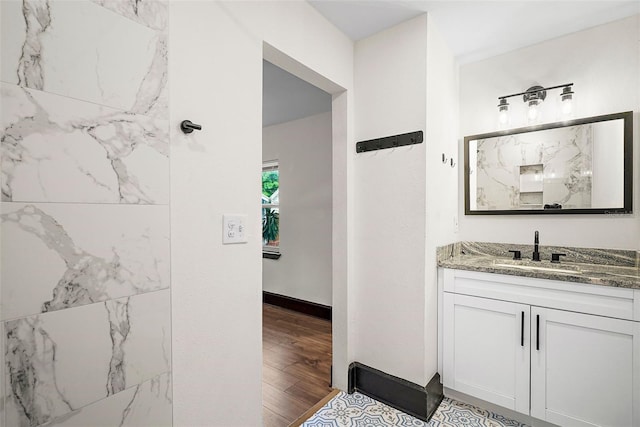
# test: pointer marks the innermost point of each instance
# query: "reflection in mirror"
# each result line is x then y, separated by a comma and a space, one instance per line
582, 166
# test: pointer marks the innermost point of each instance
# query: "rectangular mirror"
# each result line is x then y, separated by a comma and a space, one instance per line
582, 166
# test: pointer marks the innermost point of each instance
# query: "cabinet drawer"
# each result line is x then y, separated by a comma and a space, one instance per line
584, 298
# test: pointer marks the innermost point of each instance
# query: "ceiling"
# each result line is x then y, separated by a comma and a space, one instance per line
285, 97
477, 29
474, 30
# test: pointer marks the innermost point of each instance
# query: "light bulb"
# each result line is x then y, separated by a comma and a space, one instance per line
534, 97
567, 107
534, 111
503, 117
503, 113
566, 98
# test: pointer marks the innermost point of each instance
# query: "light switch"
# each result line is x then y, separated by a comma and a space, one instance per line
234, 229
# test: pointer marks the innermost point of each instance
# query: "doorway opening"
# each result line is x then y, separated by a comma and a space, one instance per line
297, 219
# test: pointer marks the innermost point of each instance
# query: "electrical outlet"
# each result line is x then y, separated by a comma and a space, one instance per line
234, 229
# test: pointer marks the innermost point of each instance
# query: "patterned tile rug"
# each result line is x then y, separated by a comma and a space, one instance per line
358, 410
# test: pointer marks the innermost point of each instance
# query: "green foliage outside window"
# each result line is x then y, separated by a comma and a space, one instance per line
270, 182
270, 226
270, 213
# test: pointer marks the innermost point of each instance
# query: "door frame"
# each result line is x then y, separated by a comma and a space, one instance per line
341, 102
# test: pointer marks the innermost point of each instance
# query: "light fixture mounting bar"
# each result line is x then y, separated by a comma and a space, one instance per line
534, 91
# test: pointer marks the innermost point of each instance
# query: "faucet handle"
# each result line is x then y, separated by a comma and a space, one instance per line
517, 254
556, 257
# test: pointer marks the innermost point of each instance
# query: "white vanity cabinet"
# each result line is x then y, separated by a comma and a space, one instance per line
487, 350
585, 370
561, 352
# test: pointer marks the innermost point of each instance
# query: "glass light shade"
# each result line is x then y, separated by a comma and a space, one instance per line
503, 117
503, 113
567, 102
533, 114
567, 107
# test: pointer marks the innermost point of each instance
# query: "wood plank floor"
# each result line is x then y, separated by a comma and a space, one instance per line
296, 364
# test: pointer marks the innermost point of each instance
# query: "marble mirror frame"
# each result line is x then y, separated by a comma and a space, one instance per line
627, 118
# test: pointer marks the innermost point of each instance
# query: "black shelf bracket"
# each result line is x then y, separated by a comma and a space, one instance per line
390, 142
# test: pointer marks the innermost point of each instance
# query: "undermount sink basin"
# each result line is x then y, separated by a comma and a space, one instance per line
536, 268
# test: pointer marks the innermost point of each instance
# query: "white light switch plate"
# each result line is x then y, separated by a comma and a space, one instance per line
234, 229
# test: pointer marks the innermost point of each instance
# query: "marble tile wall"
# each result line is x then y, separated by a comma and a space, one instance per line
84, 214
62, 361
2, 398
59, 149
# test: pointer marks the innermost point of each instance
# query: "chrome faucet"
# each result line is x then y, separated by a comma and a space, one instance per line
536, 241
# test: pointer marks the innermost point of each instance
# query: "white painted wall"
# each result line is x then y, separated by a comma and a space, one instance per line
389, 194
441, 179
303, 150
216, 80
603, 63
405, 198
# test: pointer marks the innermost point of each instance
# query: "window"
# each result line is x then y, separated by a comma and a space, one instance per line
270, 208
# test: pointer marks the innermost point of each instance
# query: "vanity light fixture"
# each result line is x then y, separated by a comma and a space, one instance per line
533, 97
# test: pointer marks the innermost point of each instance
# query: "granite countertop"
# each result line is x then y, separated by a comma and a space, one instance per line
592, 266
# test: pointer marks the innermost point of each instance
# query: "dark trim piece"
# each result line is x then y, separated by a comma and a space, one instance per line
271, 255
390, 142
627, 207
295, 304
435, 394
420, 402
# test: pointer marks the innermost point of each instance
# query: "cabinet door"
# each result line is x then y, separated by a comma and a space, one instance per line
585, 369
486, 350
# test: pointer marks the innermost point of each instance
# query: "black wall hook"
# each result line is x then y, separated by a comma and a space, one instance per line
188, 127
446, 160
